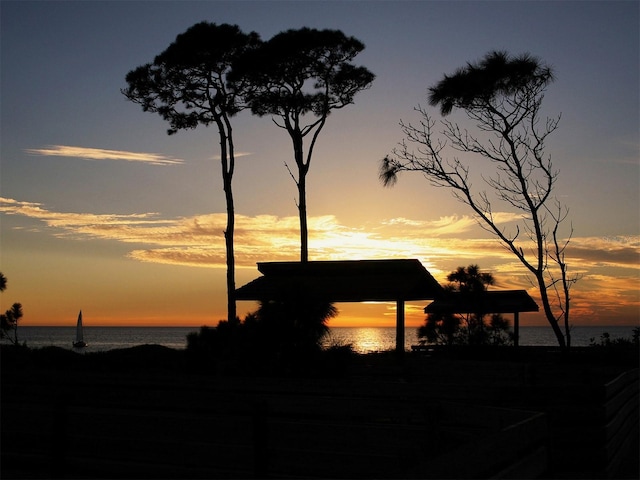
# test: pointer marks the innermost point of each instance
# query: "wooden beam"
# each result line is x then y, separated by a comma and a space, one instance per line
516, 329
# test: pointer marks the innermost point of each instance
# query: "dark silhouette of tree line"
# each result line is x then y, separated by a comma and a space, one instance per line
9, 319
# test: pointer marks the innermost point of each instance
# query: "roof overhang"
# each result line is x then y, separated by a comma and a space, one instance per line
501, 301
342, 281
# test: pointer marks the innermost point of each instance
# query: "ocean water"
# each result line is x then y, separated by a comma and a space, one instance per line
363, 340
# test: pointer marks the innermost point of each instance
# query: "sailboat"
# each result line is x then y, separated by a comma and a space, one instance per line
79, 342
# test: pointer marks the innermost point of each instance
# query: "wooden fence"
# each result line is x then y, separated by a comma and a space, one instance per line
526, 423
144, 429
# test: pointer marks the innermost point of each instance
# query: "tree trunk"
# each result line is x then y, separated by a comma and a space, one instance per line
228, 237
227, 164
549, 313
302, 209
301, 182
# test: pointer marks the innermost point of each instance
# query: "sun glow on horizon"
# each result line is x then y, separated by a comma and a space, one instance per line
608, 265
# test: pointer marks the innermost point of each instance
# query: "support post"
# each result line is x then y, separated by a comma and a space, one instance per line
516, 329
400, 326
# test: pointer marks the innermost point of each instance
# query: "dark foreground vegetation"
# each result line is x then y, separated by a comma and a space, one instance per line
155, 412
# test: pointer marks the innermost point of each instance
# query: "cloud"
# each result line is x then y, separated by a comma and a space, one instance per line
199, 240
618, 252
617, 297
448, 225
235, 155
103, 154
608, 265
79, 223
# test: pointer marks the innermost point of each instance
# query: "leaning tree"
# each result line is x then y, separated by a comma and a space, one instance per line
503, 96
188, 85
300, 77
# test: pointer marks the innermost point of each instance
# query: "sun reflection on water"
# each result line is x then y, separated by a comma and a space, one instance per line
366, 340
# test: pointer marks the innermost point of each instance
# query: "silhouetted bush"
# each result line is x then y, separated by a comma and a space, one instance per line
57, 357
618, 351
280, 339
337, 359
139, 357
607, 341
230, 347
471, 328
14, 356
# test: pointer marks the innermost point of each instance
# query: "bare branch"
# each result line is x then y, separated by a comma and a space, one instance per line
291, 173
503, 96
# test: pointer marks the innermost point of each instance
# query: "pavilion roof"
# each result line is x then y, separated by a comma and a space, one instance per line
342, 281
500, 301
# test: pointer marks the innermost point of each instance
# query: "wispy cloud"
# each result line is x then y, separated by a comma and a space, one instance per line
103, 154
235, 155
608, 265
617, 251
199, 240
70, 223
445, 226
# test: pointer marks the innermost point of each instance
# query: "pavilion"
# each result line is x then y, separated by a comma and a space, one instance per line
397, 280
501, 301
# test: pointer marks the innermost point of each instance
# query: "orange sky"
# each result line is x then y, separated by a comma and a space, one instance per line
184, 285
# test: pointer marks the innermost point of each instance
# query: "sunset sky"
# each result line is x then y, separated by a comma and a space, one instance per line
102, 211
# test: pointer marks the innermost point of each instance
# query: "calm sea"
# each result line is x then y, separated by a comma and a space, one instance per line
364, 340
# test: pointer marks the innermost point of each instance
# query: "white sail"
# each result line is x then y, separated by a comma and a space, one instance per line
79, 336
79, 342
